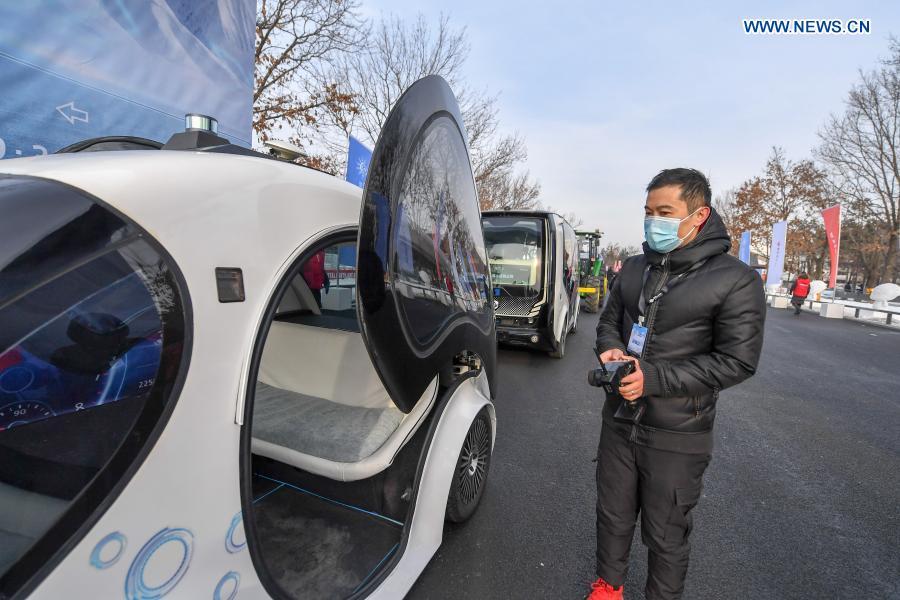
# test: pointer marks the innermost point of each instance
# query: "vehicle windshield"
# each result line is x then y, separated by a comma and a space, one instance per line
515, 247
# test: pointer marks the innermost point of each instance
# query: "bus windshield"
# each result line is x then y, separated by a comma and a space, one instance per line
515, 247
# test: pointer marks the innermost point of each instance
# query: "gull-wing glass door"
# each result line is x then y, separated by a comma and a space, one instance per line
423, 283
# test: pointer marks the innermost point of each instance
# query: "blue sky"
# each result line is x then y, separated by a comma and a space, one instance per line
606, 95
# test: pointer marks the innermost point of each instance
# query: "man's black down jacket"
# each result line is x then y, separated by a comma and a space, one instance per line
705, 334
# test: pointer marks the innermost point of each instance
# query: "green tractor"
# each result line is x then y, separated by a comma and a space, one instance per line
592, 288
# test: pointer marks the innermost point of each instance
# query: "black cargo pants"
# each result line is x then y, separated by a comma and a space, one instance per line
663, 487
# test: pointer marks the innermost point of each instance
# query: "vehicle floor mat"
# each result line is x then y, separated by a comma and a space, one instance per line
315, 547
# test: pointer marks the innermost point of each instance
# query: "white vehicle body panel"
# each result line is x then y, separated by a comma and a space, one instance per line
208, 211
426, 530
560, 297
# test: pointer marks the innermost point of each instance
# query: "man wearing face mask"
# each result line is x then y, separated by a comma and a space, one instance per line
690, 317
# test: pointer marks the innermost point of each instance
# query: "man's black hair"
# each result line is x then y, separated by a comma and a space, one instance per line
695, 189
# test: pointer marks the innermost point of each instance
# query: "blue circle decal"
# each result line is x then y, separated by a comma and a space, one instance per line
136, 587
115, 538
230, 544
229, 580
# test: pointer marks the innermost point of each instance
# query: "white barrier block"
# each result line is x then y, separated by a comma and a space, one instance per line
830, 310
866, 314
780, 302
337, 298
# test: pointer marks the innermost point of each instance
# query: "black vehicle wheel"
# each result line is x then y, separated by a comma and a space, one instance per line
592, 301
470, 475
561, 348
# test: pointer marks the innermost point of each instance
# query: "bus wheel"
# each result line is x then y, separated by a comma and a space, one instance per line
561, 348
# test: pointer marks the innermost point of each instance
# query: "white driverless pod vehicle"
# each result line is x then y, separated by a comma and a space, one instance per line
533, 259
224, 375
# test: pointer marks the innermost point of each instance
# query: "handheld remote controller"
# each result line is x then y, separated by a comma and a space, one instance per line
609, 376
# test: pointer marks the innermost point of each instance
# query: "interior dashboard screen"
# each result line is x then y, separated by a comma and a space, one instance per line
102, 349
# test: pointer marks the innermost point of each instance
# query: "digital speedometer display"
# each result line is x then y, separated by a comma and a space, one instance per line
20, 413
32, 389
104, 349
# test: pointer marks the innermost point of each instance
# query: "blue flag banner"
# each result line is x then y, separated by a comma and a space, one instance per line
744, 251
347, 255
88, 68
358, 159
776, 255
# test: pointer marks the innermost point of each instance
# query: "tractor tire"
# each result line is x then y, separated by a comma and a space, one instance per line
592, 301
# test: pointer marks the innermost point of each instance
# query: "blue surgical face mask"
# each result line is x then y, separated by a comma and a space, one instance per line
661, 233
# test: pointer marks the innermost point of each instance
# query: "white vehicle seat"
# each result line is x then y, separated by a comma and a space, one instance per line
321, 407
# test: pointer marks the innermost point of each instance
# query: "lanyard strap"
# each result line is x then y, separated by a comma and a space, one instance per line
643, 303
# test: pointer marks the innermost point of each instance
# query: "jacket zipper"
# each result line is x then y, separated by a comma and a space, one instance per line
650, 317
697, 401
649, 323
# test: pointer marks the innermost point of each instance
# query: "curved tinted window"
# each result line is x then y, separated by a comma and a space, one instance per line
422, 279
440, 269
92, 332
516, 252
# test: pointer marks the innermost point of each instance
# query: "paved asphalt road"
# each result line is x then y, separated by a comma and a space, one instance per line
801, 500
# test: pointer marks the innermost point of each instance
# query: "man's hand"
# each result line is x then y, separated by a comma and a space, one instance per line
613, 355
632, 386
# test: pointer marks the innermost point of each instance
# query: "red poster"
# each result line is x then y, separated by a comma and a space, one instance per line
832, 218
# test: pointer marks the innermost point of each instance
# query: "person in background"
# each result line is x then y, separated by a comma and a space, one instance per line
315, 276
799, 292
610, 277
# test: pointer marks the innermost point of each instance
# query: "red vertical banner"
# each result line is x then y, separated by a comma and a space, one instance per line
832, 218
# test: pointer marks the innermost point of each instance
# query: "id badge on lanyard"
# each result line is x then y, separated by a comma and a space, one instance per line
637, 339
638, 331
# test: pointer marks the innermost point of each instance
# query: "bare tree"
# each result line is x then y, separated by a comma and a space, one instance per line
725, 205
781, 199
571, 217
862, 249
574, 220
790, 191
296, 40
613, 252
861, 149
397, 54
507, 190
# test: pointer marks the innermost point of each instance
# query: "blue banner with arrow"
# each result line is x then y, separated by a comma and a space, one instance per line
89, 68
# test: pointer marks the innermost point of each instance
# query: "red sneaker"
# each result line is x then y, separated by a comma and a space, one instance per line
600, 590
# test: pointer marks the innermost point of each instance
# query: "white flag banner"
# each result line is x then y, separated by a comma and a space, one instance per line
776, 256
